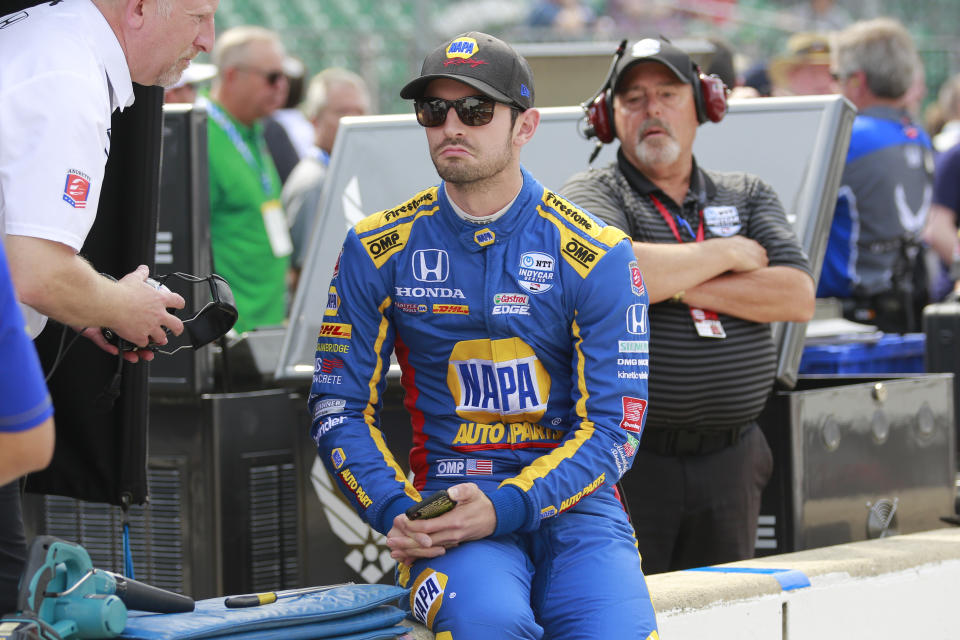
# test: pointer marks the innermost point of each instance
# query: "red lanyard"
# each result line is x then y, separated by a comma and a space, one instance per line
672, 222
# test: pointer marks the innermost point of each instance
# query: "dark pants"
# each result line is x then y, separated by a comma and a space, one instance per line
698, 510
13, 546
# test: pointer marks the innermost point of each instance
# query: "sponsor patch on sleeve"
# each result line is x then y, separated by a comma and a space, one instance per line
636, 279
76, 189
633, 412
336, 330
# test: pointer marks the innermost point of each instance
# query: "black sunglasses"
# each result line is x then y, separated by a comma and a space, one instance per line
473, 111
272, 77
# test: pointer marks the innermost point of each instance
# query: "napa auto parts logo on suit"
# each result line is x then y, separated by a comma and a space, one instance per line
367, 551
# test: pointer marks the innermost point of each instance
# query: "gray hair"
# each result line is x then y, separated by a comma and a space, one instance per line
230, 49
883, 49
320, 85
165, 8
949, 98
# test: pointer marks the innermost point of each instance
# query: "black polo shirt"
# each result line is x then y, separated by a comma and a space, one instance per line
698, 381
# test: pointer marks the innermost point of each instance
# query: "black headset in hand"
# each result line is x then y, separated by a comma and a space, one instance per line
209, 323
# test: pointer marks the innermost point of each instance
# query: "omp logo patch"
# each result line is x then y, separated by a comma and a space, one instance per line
462, 48
493, 380
336, 330
580, 252
384, 242
426, 595
450, 467
76, 189
633, 410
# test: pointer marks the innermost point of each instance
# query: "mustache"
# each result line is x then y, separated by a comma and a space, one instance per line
651, 123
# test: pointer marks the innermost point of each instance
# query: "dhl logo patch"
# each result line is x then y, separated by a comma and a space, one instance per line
336, 330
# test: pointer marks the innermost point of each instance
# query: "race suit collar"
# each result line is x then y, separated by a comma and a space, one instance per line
513, 221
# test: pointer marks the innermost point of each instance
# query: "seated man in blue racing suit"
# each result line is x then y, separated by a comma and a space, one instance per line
520, 326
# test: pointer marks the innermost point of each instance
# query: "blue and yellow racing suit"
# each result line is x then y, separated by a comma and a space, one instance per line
523, 348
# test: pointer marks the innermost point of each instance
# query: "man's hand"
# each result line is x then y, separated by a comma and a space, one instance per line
745, 253
472, 519
95, 335
144, 315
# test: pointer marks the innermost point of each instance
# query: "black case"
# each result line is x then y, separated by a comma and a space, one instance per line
941, 324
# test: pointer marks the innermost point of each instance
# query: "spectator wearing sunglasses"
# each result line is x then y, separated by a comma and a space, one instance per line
248, 229
505, 305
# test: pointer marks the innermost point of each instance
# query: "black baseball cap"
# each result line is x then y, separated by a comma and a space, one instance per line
485, 63
654, 50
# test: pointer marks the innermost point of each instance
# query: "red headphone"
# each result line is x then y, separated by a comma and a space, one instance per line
709, 92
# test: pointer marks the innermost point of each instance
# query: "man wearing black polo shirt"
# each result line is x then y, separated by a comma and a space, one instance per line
721, 262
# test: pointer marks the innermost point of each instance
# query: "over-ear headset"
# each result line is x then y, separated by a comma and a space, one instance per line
709, 93
208, 324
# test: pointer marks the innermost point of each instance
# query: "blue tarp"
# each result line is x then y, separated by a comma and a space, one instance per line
350, 612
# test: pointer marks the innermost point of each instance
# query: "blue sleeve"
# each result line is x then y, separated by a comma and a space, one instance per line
352, 360
609, 337
24, 400
946, 184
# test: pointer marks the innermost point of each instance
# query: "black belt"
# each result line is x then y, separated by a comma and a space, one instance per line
678, 441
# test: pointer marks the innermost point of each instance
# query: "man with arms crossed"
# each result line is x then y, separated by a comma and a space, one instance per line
720, 262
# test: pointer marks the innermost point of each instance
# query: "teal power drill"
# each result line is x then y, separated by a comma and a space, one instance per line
61, 589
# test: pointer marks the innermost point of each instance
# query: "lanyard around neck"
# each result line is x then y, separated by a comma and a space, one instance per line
218, 116
672, 222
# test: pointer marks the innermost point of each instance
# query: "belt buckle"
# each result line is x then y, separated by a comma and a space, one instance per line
686, 442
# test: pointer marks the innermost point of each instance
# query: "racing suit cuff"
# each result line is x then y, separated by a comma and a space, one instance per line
511, 508
400, 504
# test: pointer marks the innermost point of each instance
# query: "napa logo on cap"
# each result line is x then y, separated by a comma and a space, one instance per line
462, 48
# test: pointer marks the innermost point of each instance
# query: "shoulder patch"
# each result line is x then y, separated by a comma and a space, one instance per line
583, 242
385, 233
581, 220
426, 199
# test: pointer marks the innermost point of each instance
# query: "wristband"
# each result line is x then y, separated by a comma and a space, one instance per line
678, 296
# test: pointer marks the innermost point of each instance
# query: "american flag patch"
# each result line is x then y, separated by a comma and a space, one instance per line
479, 467
76, 188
